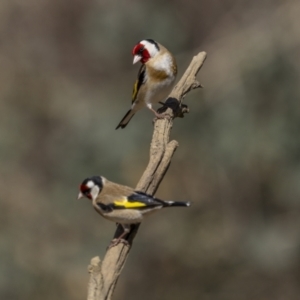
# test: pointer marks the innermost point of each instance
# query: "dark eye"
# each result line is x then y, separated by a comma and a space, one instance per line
141, 50
85, 191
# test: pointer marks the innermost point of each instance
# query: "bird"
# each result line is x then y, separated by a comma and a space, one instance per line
155, 78
121, 204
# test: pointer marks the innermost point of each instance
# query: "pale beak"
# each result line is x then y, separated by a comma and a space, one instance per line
80, 195
136, 59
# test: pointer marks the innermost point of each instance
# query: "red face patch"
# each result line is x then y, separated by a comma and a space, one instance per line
140, 50
85, 190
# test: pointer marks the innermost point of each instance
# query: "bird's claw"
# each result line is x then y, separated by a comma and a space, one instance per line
161, 116
115, 242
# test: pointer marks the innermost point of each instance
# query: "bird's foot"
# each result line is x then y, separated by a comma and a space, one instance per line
117, 241
161, 116
158, 115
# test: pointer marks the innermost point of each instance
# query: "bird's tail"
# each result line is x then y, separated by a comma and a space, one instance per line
126, 119
176, 203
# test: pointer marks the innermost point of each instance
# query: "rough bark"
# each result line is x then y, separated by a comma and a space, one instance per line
104, 274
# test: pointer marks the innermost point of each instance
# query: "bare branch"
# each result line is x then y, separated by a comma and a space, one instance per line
104, 275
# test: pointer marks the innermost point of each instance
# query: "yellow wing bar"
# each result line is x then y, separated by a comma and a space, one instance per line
126, 204
140, 80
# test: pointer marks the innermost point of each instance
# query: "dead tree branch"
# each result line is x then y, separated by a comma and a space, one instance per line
104, 274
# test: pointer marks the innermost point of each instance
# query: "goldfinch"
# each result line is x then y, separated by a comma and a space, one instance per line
155, 77
121, 204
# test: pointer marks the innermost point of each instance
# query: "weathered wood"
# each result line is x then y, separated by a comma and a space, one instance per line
104, 275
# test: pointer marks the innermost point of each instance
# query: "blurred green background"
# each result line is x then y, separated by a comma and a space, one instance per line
66, 82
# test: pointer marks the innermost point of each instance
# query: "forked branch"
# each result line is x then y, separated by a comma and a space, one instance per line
104, 274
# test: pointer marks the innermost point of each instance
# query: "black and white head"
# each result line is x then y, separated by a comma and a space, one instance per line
91, 187
145, 50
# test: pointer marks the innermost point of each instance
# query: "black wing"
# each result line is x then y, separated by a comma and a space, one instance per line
141, 79
137, 200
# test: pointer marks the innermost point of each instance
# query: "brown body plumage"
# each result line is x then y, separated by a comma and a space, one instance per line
155, 78
121, 204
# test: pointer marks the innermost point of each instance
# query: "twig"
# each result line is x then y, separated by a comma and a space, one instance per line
104, 275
